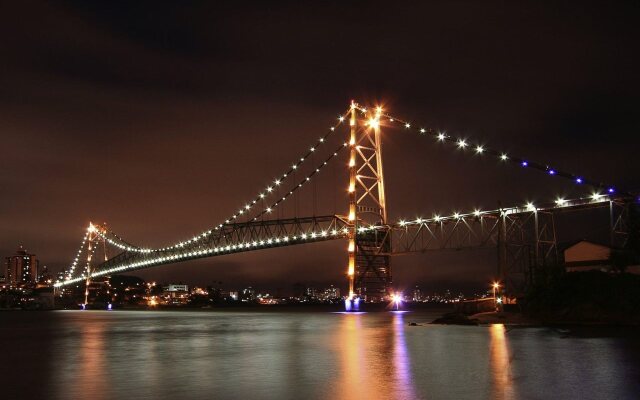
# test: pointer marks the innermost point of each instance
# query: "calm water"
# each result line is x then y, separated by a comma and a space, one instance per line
294, 355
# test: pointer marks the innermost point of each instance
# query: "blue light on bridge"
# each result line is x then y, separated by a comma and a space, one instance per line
352, 304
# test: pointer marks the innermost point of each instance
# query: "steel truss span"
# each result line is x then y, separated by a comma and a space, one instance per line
229, 239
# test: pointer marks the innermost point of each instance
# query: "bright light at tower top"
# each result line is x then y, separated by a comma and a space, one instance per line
92, 228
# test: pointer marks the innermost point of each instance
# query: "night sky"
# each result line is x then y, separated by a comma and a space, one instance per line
162, 120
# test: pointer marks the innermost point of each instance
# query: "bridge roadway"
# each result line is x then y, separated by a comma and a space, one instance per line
457, 231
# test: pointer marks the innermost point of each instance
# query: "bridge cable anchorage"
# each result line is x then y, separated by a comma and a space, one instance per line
269, 190
479, 149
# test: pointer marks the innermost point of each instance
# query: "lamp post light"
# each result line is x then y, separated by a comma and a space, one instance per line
496, 286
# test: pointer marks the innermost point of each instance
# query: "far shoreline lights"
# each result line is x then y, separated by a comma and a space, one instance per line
396, 300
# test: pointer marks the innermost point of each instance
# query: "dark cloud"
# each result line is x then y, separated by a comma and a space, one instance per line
162, 119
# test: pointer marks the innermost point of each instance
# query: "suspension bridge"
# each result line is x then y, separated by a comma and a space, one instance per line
524, 235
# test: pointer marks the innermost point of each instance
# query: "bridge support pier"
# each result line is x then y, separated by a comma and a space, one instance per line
526, 242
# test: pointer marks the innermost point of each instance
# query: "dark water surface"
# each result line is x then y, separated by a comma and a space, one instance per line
297, 355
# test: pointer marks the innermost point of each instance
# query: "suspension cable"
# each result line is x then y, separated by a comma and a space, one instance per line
479, 149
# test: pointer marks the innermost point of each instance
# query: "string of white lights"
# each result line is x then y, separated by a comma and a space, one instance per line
528, 207
323, 235
119, 242
75, 261
479, 149
274, 241
300, 184
268, 191
104, 233
91, 252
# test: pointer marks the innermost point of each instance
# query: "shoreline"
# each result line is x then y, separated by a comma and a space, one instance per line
513, 319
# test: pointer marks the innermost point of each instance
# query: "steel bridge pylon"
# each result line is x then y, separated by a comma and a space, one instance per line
369, 268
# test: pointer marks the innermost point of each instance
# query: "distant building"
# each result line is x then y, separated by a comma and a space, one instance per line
417, 294
176, 288
248, 294
311, 292
176, 294
21, 268
45, 277
331, 293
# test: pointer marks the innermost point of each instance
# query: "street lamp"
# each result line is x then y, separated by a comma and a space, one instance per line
496, 286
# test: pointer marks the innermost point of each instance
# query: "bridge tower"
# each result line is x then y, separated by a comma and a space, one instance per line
369, 269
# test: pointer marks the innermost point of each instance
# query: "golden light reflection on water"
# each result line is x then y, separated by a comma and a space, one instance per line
365, 372
500, 363
352, 372
141, 355
91, 367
